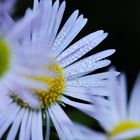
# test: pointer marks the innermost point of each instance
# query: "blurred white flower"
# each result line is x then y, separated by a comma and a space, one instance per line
120, 120
63, 77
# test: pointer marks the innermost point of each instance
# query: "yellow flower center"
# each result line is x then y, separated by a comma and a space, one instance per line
4, 57
55, 85
125, 126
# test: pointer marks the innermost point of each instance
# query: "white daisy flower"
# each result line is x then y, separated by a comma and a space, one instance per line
63, 76
120, 120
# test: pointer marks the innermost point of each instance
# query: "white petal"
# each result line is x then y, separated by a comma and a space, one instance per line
114, 97
23, 125
9, 120
34, 127
21, 26
84, 133
122, 99
29, 126
48, 125
62, 118
28, 84
99, 91
127, 135
99, 76
41, 27
80, 52
105, 117
87, 82
85, 41
100, 101
40, 125
6, 23
8, 109
84, 67
54, 11
15, 126
57, 21
78, 25
5, 102
35, 4
134, 111
86, 108
65, 30
118, 98
57, 125
83, 97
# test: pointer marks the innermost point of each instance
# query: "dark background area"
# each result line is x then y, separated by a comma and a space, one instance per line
120, 18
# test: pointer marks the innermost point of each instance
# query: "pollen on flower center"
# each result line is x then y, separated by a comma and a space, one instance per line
55, 85
124, 126
4, 57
